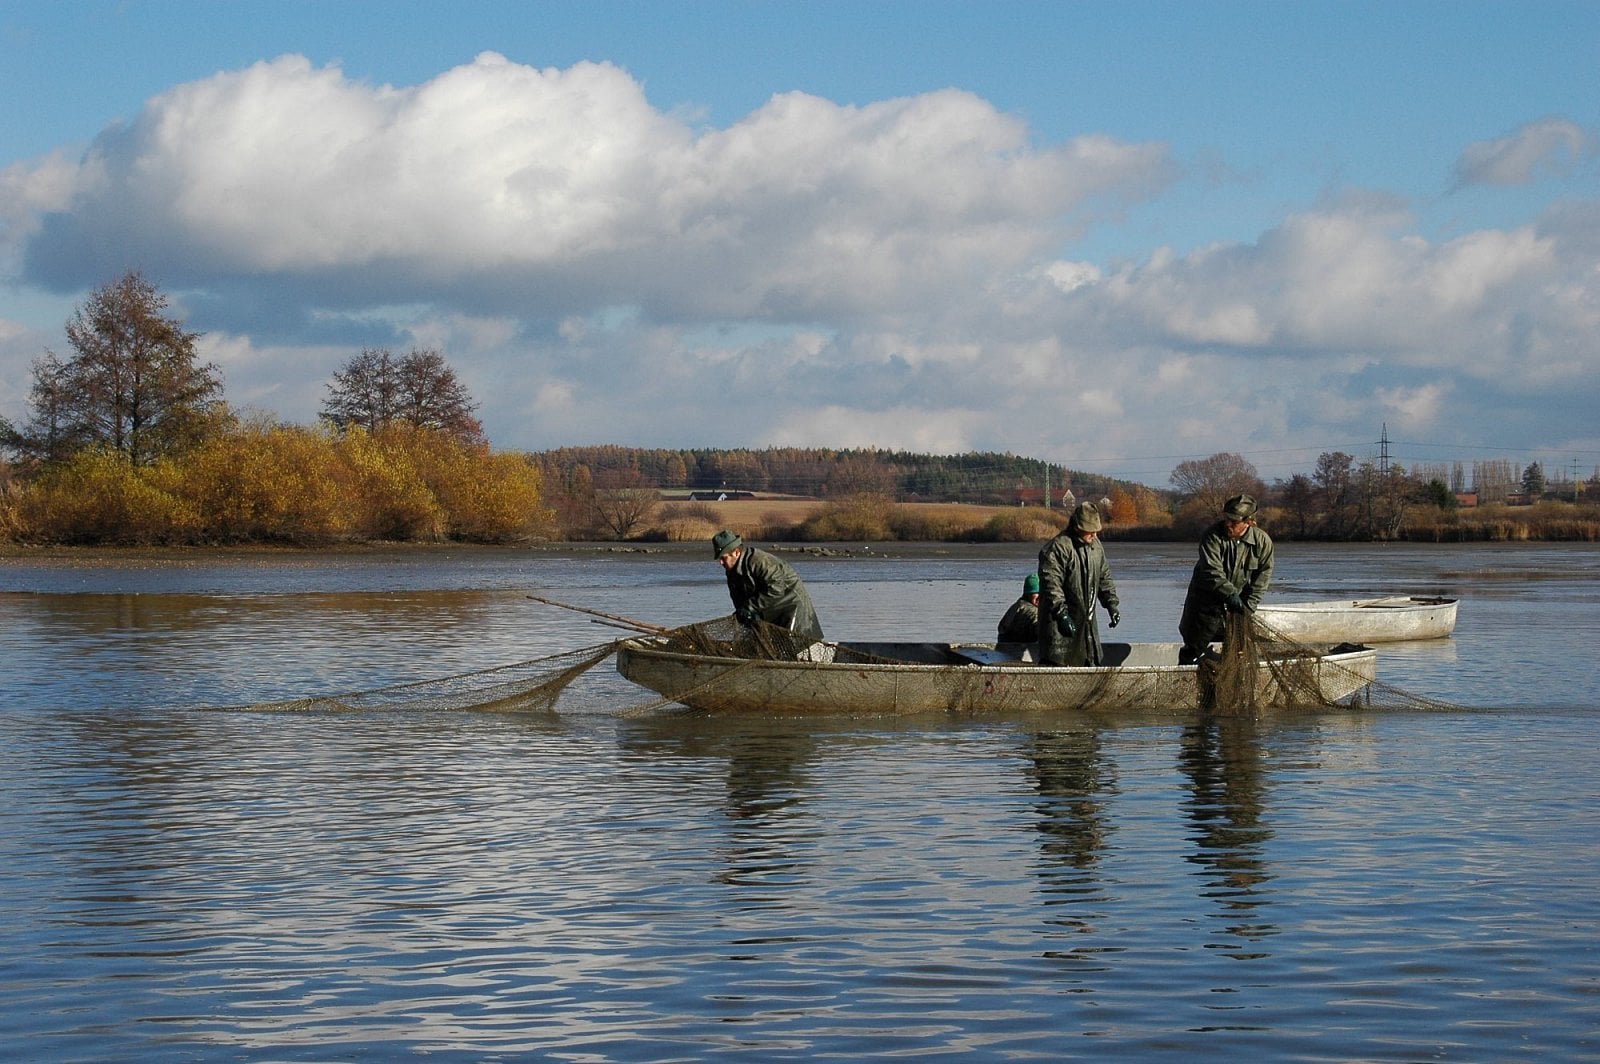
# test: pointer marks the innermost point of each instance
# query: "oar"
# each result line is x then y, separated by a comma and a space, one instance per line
628, 622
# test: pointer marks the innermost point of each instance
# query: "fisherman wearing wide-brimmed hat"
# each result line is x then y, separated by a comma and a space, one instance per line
1073, 576
764, 587
1232, 574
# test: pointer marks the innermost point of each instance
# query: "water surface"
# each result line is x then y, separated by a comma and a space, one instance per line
179, 882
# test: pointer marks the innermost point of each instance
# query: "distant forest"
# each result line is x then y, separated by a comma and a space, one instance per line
982, 478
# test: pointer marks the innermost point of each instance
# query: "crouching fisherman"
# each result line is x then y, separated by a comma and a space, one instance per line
765, 588
1021, 622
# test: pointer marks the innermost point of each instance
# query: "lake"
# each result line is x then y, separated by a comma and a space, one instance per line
187, 875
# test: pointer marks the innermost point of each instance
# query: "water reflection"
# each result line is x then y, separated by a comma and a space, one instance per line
765, 772
1074, 782
1222, 760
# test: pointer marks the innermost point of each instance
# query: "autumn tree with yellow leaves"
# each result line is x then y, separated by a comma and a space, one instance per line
129, 442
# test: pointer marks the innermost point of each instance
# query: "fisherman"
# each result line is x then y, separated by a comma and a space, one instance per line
1232, 574
1073, 575
764, 587
1021, 622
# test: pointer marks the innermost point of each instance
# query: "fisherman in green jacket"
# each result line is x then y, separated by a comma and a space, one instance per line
1232, 574
1073, 575
1021, 622
764, 587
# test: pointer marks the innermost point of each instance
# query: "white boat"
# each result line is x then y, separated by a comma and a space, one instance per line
1370, 620
906, 678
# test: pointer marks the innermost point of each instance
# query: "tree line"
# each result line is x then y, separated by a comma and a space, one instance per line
1347, 499
979, 478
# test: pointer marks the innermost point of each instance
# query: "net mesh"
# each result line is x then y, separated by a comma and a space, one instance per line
524, 686
725, 637
537, 684
1259, 665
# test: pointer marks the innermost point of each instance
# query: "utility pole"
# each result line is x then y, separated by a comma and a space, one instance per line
1047, 484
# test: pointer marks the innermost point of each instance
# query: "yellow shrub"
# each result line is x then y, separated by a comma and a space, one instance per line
265, 483
98, 496
388, 497
478, 495
1030, 525
858, 517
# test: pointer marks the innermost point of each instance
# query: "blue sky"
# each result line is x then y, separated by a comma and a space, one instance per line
1115, 235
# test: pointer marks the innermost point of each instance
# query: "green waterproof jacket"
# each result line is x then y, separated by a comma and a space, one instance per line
1020, 623
1074, 575
775, 590
1226, 567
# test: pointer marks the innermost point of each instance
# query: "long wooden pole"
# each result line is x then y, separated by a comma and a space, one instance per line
638, 626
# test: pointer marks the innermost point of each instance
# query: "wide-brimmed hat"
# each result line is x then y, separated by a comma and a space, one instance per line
1240, 508
1085, 518
725, 541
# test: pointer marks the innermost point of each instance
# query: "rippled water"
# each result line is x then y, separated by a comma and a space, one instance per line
182, 883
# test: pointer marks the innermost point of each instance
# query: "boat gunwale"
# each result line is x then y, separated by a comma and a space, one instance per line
1387, 604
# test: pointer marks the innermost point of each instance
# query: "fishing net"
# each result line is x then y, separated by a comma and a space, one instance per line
1259, 666
725, 637
536, 685
524, 686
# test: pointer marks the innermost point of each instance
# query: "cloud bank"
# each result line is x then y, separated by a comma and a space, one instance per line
897, 274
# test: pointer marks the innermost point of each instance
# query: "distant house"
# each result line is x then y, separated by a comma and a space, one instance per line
1467, 500
719, 496
1023, 496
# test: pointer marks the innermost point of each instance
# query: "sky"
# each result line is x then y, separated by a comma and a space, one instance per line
1115, 236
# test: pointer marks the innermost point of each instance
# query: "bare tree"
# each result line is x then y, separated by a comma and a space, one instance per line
1299, 498
1334, 480
1493, 479
1210, 482
860, 474
134, 383
52, 432
376, 388
1383, 498
623, 501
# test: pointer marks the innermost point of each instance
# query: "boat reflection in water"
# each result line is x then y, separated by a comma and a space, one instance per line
1222, 758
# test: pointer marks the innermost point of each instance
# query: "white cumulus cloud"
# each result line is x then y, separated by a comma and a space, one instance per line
900, 273
565, 189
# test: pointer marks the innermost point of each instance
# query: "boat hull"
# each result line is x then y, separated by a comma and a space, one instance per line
900, 679
1377, 620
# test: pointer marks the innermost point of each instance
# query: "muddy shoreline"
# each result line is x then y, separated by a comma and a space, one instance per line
179, 555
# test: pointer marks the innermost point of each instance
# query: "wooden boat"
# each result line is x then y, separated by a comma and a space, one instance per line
1373, 620
906, 678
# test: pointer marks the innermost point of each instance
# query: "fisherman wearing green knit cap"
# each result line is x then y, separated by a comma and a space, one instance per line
1021, 622
764, 588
